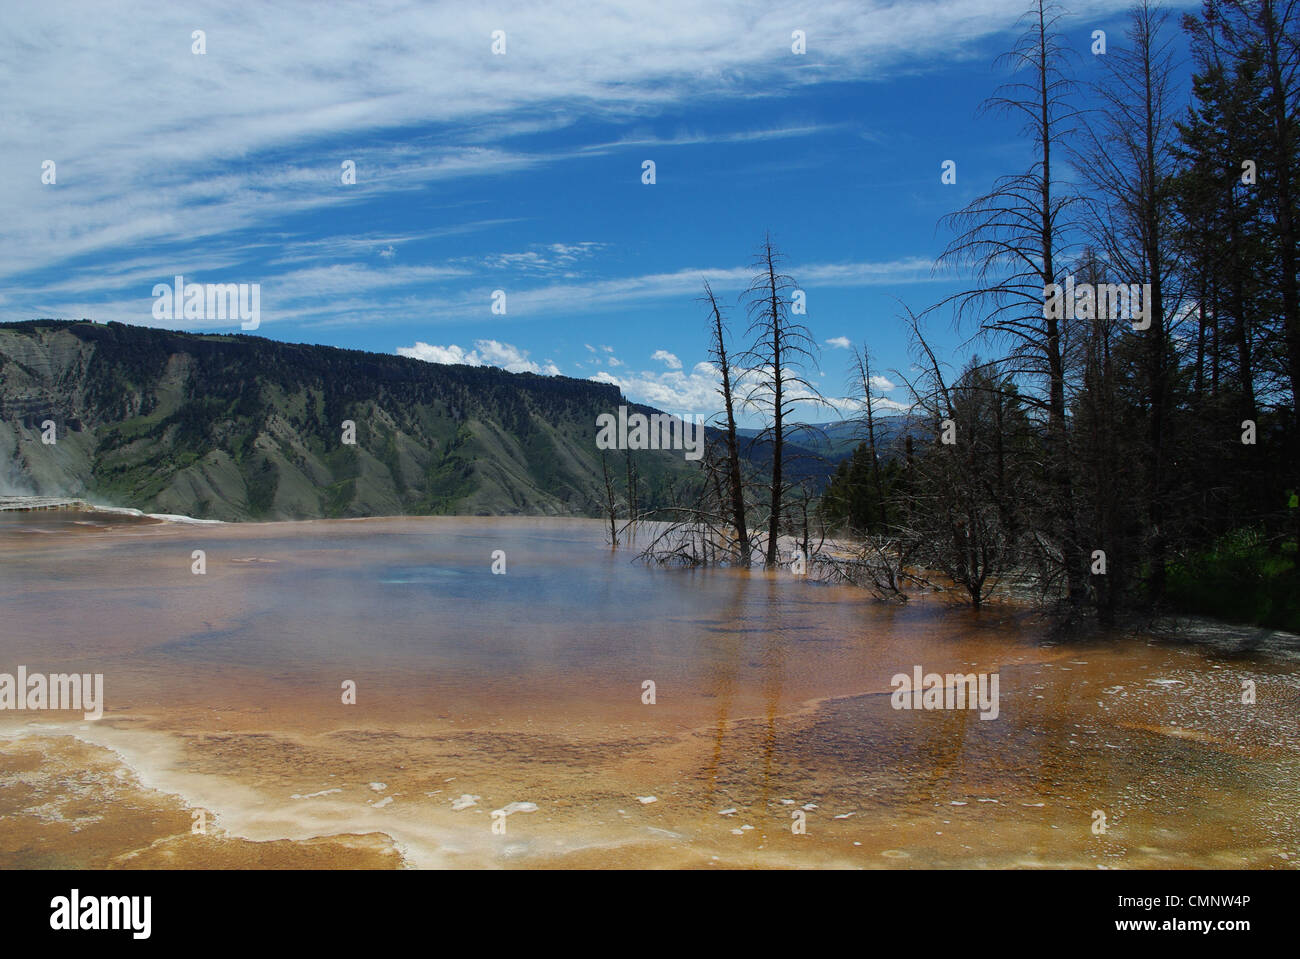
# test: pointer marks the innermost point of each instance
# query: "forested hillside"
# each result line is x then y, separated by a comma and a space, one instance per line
240, 427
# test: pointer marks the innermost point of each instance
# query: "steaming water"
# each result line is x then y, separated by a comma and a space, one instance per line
523, 693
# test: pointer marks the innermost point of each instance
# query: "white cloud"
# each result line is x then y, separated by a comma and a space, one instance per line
680, 392
674, 390
554, 259
135, 136
567, 299
370, 292
668, 359
452, 355
839, 342
485, 353
671, 390
847, 407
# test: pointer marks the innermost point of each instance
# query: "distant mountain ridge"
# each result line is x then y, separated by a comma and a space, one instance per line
835, 440
237, 427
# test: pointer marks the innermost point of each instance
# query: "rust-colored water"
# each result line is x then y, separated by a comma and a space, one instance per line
223, 697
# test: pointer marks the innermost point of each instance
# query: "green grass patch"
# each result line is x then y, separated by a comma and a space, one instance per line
1240, 580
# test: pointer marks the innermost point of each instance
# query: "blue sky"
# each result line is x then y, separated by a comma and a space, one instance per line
520, 172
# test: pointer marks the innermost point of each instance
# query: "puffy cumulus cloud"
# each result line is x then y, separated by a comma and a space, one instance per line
451, 355
839, 342
682, 391
675, 390
485, 353
849, 406
666, 358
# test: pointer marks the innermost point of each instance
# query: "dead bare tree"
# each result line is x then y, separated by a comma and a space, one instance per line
735, 482
885, 565
694, 531
610, 507
862, 370
952, 515
775, 361
1014, 238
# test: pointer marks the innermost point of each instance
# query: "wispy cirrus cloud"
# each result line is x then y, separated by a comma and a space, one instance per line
386, 292
163, 151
